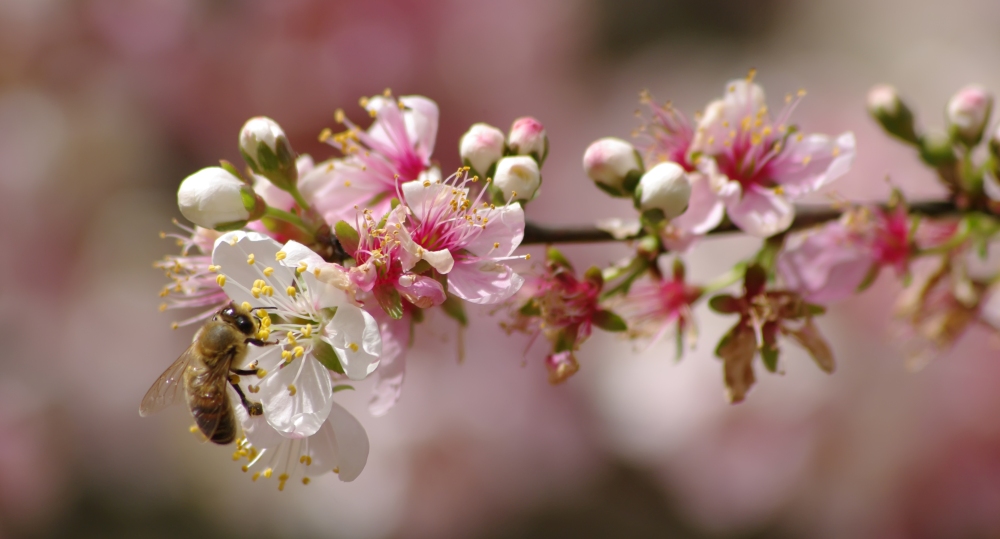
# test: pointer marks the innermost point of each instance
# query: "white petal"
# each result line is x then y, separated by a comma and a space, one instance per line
505, 226
391, 368
354, 333
341, 443
297, 397
233, 261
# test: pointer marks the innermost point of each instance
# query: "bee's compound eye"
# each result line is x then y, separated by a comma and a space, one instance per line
244, 324
229, 312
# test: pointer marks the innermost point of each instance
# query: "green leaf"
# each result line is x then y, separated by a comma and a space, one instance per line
389, 299
342, 387
347, 236
609, 321
455, 309
327, 356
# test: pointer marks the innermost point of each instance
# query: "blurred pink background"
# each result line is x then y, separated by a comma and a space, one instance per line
105, 105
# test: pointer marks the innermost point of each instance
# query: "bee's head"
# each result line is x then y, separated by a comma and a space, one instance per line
239, 318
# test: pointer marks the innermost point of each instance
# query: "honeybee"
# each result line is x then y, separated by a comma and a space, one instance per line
203, 371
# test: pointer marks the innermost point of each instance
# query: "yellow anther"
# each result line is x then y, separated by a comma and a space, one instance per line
193, 429
291, 291
347, 183
305, 459
255, 292
291, 338
353, 346
232, 241
174, 325
307, 330
256, 475
291, 390
806, 159
163, 307
245, 468
302, 267
836, 151
165, 292
268, 271
336, 469
305, 480
260, 313
261, 373
250, 259
213, 268
298, 351
263, 334
267, 473
496, 245
325, 134
221, 279
527, 256
245, 305
163, 235
286, 355
267, 290
779, 190
316, 272
280, 255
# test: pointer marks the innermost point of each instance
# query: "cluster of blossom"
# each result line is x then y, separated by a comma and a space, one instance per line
339, 259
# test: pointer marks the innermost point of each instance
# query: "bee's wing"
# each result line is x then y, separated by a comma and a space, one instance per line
169, 386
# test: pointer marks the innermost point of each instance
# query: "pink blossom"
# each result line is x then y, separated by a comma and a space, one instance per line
829, 263
192, 274
396, 148
468, 239
653, 306
380, 270
757, 165
668, 136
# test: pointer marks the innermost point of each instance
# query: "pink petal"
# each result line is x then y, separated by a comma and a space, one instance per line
761, 212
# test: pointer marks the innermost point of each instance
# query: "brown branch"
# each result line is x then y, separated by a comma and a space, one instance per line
805, 217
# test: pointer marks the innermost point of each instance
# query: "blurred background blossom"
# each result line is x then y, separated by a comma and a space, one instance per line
105, 105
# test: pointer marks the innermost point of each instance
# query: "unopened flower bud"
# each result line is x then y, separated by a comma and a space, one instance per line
561, 366
214, 198
889, 110
267, 151
614, 165
517, 177
527, 137
481, 146
968, 110
663, 192
936, 149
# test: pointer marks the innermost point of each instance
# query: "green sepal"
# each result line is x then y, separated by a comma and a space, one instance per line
769, 356
389, 299
529, 309
327, 356
870, 277
230, 168
564, 342
609, 321
554, 257
725, 304
421, 267
347, 236
342, 387
230, 226
611, 190
454, 308
595, 276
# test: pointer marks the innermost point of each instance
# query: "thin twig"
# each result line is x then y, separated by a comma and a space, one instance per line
805, 217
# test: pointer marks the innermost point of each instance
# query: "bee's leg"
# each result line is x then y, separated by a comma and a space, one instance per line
252, 408
258, 342
244, 372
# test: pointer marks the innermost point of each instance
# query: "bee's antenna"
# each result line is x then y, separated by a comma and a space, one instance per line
264, 308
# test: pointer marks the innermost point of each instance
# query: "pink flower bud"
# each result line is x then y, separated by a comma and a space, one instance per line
885, 105
527, 137
967, 112
614, 164
481, 146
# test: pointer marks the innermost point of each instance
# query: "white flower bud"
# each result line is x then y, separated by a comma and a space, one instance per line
664, 189
480, 147
883, 99
967, 112
517, 177
214, 198
527, 137
614, 164
267, 151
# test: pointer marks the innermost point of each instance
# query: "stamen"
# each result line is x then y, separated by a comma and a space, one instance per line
280, 255
221, 279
